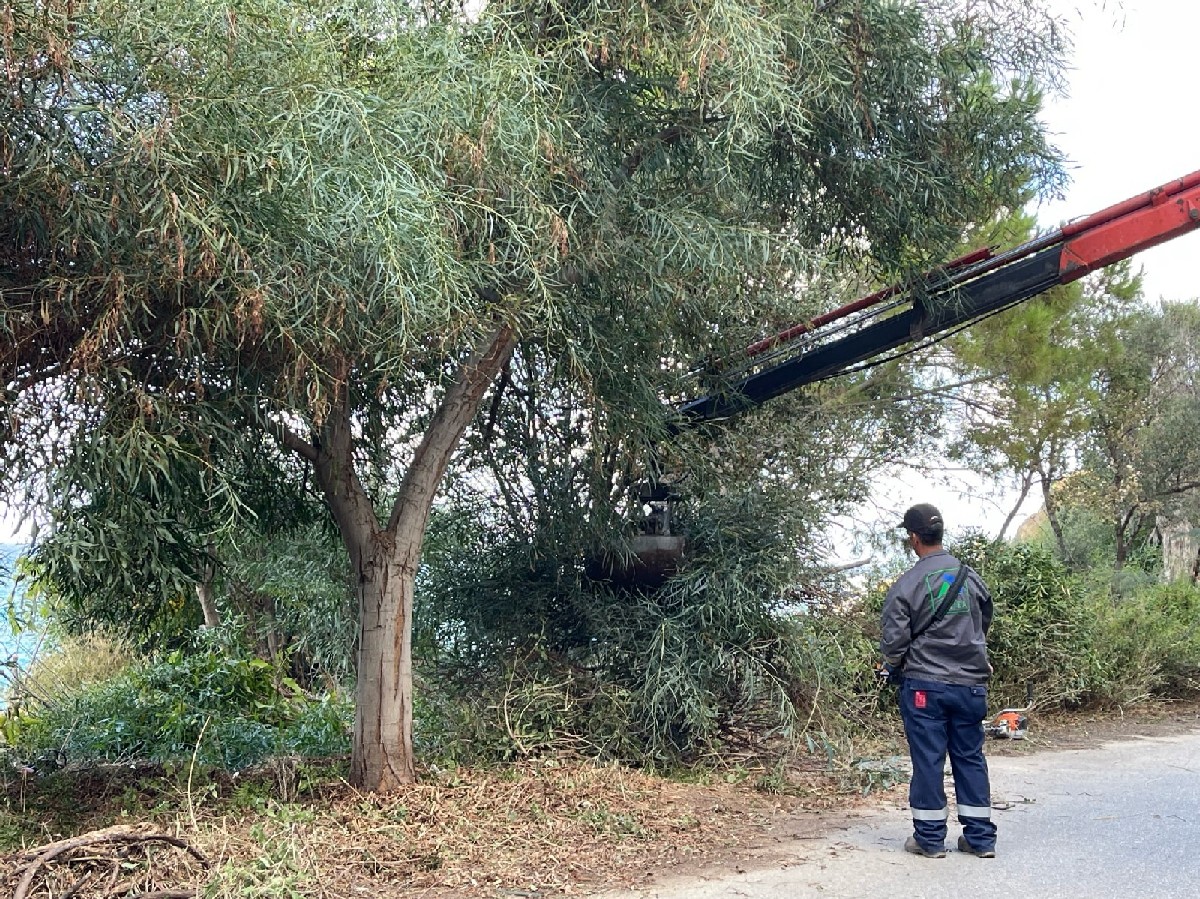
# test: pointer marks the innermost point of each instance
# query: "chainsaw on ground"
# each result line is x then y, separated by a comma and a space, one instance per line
1011, 724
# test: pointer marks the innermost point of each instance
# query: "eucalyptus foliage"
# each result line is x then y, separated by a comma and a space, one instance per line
293, 594
535, 622
641, 673
325, 226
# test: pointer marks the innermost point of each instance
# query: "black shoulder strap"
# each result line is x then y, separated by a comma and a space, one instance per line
947, 600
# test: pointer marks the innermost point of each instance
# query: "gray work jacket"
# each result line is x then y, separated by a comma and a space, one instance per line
953, 651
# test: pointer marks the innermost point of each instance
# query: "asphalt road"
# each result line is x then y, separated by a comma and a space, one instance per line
1120, 820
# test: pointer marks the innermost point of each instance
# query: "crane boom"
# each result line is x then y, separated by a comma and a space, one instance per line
959, 293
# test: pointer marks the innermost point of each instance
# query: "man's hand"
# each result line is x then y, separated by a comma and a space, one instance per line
886, 675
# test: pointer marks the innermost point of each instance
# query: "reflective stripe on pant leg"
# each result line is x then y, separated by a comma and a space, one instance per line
926, 814
975, 811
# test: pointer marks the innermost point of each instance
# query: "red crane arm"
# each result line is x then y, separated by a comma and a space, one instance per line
959, 293
1127, 228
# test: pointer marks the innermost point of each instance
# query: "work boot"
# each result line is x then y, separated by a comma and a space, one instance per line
964, 846
911, 845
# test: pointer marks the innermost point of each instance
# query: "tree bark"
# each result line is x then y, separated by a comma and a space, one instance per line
204, 594
1052, 516
382, 758
385, 559
1124, 529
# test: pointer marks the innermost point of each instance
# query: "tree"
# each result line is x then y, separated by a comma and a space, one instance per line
1142, 449
1091, 394
325, 227
532, 601
1032, 379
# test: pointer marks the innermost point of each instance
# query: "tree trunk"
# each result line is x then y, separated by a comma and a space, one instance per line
382, 758
1052, 516
1026, 486
204, 594
382, 753
385, 559
275, 641
1126, 529
1180, 540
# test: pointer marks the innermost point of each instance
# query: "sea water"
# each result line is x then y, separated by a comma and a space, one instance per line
20, 635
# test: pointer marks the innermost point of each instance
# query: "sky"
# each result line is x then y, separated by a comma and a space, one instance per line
1127, 124
1129, 121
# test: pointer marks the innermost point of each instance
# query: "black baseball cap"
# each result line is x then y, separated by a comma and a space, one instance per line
922, 519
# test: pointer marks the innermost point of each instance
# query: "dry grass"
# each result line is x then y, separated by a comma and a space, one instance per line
544, 828
74, 663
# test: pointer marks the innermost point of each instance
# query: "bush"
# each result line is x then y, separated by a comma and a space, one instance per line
526, 652
1085, 638
216, 703
1044, 631
1150, 643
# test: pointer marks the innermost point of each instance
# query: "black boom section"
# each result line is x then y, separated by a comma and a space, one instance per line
961, 305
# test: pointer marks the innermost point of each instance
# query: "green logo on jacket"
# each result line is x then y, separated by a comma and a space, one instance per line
938, 583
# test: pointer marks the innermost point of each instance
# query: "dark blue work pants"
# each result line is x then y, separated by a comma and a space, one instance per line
941, 719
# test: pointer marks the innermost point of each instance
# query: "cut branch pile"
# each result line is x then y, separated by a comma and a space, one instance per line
539, 827
114, 863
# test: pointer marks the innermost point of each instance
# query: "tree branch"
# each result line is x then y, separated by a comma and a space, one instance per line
458, 407
1186, 487
297, 444
494, 411
671, 134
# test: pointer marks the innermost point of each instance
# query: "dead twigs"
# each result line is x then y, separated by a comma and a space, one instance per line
91, 859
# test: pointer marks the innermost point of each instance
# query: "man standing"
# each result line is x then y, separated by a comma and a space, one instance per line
942, 663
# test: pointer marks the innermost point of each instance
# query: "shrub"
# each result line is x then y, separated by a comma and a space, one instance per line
524, 651
215, 703
1149, 643
1084, 637
1043, 633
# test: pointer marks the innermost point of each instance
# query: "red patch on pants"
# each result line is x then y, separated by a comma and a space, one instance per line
919, 699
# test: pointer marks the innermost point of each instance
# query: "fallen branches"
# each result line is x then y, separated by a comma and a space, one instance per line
92, 864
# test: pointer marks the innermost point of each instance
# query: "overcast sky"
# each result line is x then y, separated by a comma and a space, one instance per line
1130, 121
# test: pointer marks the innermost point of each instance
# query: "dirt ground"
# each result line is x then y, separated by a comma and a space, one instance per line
542, 828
